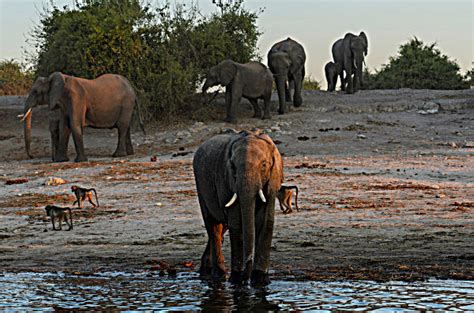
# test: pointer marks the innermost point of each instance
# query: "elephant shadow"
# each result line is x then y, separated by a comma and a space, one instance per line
223, 297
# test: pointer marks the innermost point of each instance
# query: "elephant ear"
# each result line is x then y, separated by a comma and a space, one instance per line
276, 173
227, 71
56, 89
230, 169
364, 39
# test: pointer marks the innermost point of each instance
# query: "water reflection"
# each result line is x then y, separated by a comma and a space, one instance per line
125, 291
221, 297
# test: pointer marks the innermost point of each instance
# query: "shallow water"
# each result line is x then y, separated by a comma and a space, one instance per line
53, 291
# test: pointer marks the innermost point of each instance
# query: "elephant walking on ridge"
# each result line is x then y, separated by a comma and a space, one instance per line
286, 60
251, 80
350, 51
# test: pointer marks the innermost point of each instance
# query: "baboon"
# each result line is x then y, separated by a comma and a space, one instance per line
83, 194
59, 213
285, 196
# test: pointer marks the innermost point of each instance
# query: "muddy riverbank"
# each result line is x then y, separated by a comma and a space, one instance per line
386, 184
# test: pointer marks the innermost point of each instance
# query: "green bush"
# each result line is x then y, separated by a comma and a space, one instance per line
14, 79
417, 66
469, 77
311, 84
164, 52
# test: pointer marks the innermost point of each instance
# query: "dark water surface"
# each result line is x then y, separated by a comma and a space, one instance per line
125, 291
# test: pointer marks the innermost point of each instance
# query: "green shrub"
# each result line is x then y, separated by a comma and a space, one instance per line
165, 52
311, 84
417, 66
14, 79
469, 77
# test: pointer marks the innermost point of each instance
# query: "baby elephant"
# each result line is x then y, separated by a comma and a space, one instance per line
252, 80
332, 70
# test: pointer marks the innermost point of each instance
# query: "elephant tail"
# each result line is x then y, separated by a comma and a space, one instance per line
140, 119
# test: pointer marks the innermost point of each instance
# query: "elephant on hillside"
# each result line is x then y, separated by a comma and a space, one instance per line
105, 102
252, 80
286, 60
238, 176
332, 70
350, 52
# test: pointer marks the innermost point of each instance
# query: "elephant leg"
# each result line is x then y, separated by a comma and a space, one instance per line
121, 145
343, 83
297, 99
357, 79
54, 131
349, 80
77, 133
228, 104
216, 238
63, 142
266, 106
288, 87
206, 265
57, 157
128, 142
232, 100
256, 109
263, 240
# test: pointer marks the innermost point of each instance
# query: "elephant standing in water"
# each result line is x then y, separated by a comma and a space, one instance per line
286, 60
105, 102
238, 176
332, 70
252, 80
350, 51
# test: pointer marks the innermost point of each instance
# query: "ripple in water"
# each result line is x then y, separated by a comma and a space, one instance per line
20, 291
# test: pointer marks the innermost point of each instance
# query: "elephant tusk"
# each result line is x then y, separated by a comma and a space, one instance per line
355, 64
24, 116
262, 196
234, 197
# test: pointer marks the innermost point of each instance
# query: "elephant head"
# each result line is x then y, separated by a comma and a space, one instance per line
45, 90
355, 48
254, 169
220, 74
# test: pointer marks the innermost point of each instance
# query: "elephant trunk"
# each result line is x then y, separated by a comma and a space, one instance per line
280, 81
247, 205
205, 87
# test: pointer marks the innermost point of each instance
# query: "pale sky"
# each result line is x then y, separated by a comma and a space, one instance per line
316, 24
